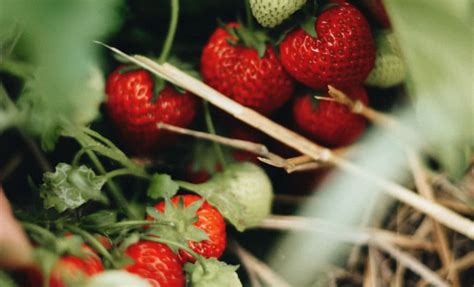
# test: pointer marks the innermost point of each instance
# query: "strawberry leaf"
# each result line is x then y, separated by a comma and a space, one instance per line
309, 26
218, 274
181, 219
162, 186
70, 187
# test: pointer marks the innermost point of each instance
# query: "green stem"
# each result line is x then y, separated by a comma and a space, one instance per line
212, 130
41, 231
79, 154
137, 223
122, 171
115, 192
171, 31
198, 257
93, 242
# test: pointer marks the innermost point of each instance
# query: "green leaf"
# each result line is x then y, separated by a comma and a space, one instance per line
219, 274
162, 186
102, 146
439, 55
6, 280
100, 219
69, 188
116, 278
309, 26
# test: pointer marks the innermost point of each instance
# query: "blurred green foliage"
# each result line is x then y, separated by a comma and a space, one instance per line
63, 83
436, 38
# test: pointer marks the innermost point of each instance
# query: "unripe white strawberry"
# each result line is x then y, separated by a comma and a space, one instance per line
270, 13
389, 69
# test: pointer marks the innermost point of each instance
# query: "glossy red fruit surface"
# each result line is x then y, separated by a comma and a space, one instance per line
134, 114
157, 263
239, 73
327, 122
343, 53
71, 268
210, 221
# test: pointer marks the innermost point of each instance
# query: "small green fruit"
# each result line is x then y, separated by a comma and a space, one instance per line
270, 13
242, 193
389, 69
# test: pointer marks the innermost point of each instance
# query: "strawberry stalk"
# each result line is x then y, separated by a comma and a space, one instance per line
47, 236
210, 127
124, 171
115, 191
171, 32
93, 242
137, 223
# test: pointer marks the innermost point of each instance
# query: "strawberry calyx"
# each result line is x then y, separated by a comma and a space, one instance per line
246, 36
182, 219
307, 23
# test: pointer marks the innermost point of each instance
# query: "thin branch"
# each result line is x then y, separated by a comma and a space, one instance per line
374, 116
299, 143
252, 147
424, 188
263, 271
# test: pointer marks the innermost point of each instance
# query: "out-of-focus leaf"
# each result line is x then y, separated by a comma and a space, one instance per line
57, 38
436, 40
100, 218
70, 187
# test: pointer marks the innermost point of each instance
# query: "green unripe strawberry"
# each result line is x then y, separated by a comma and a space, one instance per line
389, 69
242, 193
270, 13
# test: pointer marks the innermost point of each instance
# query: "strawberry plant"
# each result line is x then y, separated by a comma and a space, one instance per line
152, 144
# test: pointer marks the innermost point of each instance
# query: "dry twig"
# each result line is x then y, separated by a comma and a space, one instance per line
343, 233
262, 270
424, 188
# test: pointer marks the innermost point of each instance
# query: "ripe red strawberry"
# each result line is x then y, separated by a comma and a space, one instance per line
157, 263
377, 9
330, 123
130, 107
239, 73
210, 221
342, 54
74, 268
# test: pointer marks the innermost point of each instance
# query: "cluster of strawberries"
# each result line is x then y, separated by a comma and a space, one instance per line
153, 261
342, 54
260, 76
